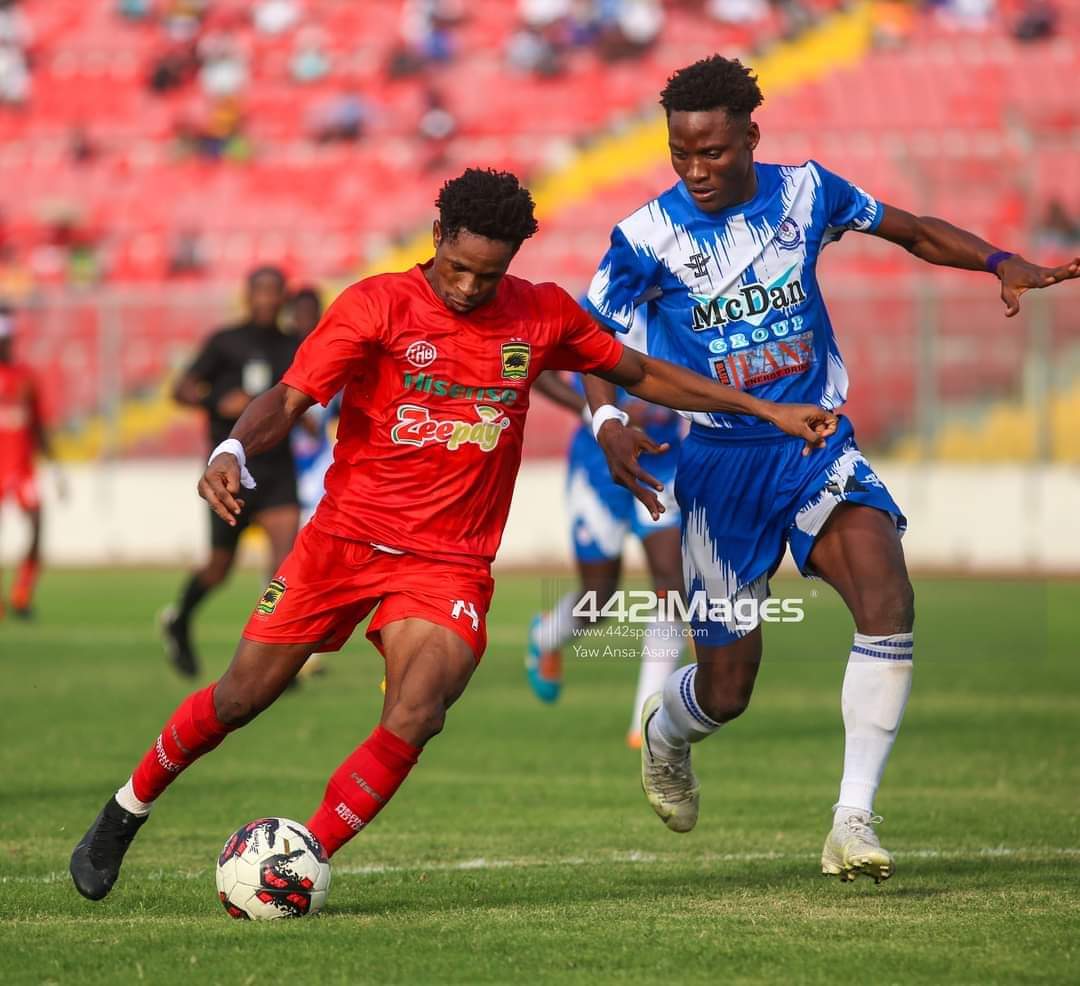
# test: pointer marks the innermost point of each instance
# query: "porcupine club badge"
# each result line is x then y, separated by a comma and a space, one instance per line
271, 597
515, 360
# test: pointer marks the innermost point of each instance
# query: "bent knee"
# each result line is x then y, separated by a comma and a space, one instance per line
415, 722
889, 609
724, 708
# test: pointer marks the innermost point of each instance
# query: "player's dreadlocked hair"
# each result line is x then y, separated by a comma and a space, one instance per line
713, 83
488, 203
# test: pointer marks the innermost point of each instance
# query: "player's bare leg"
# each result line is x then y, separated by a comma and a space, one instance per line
175, 620
859, 553
258, 674
662, 642
22, 591
550, 631
427, 669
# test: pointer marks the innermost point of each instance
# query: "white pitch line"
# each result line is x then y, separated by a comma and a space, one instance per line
626, 858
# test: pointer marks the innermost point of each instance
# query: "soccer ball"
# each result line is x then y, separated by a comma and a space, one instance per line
272, 868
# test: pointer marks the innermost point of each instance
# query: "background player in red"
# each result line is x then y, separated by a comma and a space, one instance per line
22, 437
436, 365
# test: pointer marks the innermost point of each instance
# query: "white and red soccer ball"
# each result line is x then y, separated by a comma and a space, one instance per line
272, 868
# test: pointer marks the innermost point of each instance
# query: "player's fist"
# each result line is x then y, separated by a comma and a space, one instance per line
621, 446
219, 486
806, 421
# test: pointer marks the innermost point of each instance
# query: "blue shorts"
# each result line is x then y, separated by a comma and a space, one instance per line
743, 500
602, 512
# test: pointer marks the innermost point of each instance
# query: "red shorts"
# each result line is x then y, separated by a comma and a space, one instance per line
23, 487
327, 585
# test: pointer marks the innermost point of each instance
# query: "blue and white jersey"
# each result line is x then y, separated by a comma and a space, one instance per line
734, 294
661, 423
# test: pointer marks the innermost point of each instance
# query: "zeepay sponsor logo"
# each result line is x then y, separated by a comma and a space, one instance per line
417, 427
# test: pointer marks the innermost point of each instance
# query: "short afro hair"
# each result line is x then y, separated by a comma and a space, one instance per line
488, 203
713, 83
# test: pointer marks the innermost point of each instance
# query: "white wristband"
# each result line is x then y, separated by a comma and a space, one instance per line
232, 446
605, 413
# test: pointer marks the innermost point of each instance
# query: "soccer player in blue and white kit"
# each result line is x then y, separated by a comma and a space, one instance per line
725, 262
602, 513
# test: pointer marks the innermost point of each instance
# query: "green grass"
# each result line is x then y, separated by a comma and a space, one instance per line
579, 883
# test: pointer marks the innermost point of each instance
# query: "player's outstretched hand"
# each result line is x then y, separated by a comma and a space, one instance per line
219, 486
1018, 275
806, 421
622, 446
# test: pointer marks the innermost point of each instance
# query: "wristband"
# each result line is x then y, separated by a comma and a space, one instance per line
996, 259
605, 413
232, 446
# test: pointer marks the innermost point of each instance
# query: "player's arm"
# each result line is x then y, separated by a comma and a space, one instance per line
265, 422
939, 242
660, 382
551, 384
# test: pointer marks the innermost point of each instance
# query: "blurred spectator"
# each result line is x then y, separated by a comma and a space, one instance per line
174, 68
181, 18
737, 11
14, 76
134, 10
425, 36
220, 134
16, 278
967, 14
15, 40
69, 251
538, 44
343, 117
437, 127
186, 254
309, 62
81, 148
275, 16
1057, 232
628, 28
1037, 21
224, 71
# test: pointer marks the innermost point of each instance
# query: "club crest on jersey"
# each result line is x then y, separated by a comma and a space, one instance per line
788, 235
271, 597
515, 360
421, 353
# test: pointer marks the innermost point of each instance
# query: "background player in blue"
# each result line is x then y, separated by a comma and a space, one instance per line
602, 513
725, 261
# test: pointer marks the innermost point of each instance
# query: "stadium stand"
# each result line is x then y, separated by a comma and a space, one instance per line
109, 180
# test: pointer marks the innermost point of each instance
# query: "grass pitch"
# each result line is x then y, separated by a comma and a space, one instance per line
521, 848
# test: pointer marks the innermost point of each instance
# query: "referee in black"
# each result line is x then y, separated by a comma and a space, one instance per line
236, 364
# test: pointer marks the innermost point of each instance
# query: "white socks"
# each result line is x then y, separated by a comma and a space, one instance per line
661, 653
680, 720
126, 799
876, 688
557, 625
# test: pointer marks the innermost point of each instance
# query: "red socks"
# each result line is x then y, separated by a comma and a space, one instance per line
22, 592
360, 787
193, 730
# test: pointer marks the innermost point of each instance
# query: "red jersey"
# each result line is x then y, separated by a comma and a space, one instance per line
19, 409
433, 410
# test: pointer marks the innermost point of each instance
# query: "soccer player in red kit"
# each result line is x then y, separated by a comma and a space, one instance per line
436, 365
22, 436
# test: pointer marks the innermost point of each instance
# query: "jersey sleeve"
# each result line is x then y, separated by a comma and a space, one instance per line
583, 345
846, 205
338, 346
623, 277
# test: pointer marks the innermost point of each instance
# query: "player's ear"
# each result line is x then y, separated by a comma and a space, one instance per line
436, 233
753, 135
